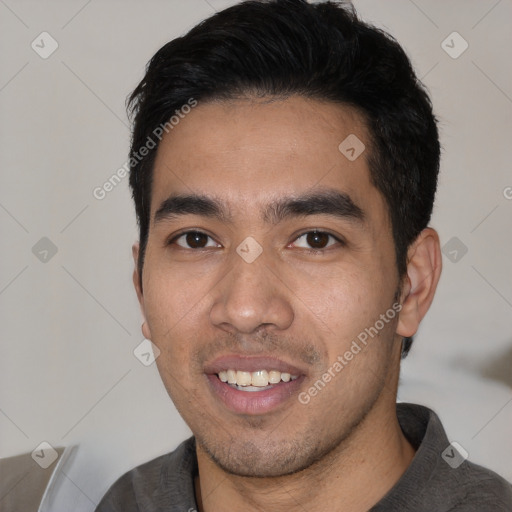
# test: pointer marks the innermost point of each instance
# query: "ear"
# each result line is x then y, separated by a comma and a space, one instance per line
138, 289
423, 273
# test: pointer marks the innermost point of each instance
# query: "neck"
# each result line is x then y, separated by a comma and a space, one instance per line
354, 476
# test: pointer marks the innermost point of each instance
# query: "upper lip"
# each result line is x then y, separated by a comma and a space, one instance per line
250, 364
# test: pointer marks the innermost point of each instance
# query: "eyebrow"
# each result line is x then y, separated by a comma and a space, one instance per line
191, 204
325, 202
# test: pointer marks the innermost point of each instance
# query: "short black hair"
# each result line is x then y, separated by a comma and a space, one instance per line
322, 51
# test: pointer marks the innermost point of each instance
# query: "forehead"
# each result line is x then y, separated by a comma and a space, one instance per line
251, 151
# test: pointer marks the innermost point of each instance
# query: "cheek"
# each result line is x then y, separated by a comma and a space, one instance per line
174, 296
340, 302
345, 306
173, 312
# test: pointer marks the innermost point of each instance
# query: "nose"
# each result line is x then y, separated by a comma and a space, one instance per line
251, 296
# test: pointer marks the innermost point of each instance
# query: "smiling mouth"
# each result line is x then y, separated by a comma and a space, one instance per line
259, 380
254, 386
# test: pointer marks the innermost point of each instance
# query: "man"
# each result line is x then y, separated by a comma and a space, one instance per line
284, 165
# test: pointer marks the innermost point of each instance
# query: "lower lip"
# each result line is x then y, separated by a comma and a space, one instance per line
254, 402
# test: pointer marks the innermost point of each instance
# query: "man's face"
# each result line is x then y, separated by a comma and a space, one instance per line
270, 178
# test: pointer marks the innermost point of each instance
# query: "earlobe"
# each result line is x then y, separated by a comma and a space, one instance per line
138, 289
145, 331
423, 273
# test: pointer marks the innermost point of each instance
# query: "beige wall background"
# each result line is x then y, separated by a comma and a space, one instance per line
69, 317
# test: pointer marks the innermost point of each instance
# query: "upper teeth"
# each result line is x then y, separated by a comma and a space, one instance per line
259, 378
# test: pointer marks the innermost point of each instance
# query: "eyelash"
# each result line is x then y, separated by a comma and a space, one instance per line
173, 239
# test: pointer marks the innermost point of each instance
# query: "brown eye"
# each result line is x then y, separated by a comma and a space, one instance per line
317, 240
194, 240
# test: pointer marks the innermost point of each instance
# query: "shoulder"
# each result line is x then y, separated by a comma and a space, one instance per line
133, 491
158, 483
440, 477
482, 489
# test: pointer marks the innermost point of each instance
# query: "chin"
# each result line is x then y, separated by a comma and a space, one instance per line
271, 459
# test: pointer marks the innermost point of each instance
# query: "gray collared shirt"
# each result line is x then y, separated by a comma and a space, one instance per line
437, 480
